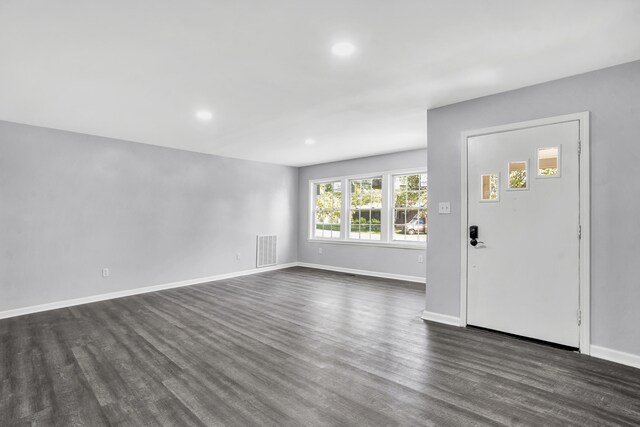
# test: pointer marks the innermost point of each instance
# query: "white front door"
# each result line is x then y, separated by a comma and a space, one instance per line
524, 198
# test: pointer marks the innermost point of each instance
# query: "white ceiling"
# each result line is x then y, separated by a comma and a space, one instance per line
140, 69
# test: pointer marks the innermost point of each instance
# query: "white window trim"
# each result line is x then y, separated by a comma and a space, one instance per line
386, 215
348, 211
559, 163
312, 210
391, 207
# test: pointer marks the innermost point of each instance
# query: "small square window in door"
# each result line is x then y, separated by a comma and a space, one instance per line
518, 175
490, 187
549, 162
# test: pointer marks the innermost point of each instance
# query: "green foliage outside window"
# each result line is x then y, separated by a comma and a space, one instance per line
410, 205
518, 179
365, 208
365, 198
548, 171
328, 200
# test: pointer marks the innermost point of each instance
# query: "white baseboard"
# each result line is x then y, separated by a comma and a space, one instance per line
119, 294
416, 279
596, 351
441, 318
615, 356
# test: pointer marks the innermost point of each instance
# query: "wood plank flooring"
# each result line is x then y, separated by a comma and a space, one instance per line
293, 347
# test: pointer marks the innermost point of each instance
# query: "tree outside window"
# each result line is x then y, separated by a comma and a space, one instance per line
410, 207
328, 205
366, 206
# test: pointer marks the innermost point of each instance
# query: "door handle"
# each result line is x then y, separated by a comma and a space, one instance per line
473, 235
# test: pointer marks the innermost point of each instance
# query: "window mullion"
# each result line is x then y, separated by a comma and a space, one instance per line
312, 207
344, 214
385, 216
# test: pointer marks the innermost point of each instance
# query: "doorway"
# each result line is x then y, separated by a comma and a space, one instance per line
525, 254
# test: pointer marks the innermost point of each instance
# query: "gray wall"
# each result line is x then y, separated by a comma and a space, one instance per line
612, 96
71, 204
379, 259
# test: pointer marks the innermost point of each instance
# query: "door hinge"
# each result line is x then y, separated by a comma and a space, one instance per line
579, 232
579, 148
579, 317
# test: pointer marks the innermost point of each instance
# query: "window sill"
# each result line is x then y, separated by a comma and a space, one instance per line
395, 245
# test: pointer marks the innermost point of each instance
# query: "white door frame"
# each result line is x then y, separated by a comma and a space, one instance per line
585, 190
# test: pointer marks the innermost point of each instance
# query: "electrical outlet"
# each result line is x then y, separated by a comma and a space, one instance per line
320, 251
238, 256
420, 258
105, 272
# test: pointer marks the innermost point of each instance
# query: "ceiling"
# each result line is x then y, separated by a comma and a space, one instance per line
139, 70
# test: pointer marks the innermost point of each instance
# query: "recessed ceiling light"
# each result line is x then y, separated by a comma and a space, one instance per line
204, 115
343, 49
309, 141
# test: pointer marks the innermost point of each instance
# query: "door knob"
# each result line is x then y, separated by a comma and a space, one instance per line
473, 235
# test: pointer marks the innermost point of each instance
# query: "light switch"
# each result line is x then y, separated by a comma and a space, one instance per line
444, 207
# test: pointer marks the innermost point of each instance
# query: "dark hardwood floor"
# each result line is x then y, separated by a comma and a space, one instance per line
293, 347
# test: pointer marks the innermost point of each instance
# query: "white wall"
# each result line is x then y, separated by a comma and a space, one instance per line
376, 259
612, 96
71, 204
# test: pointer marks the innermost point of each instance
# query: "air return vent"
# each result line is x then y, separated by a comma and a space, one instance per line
267, 249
